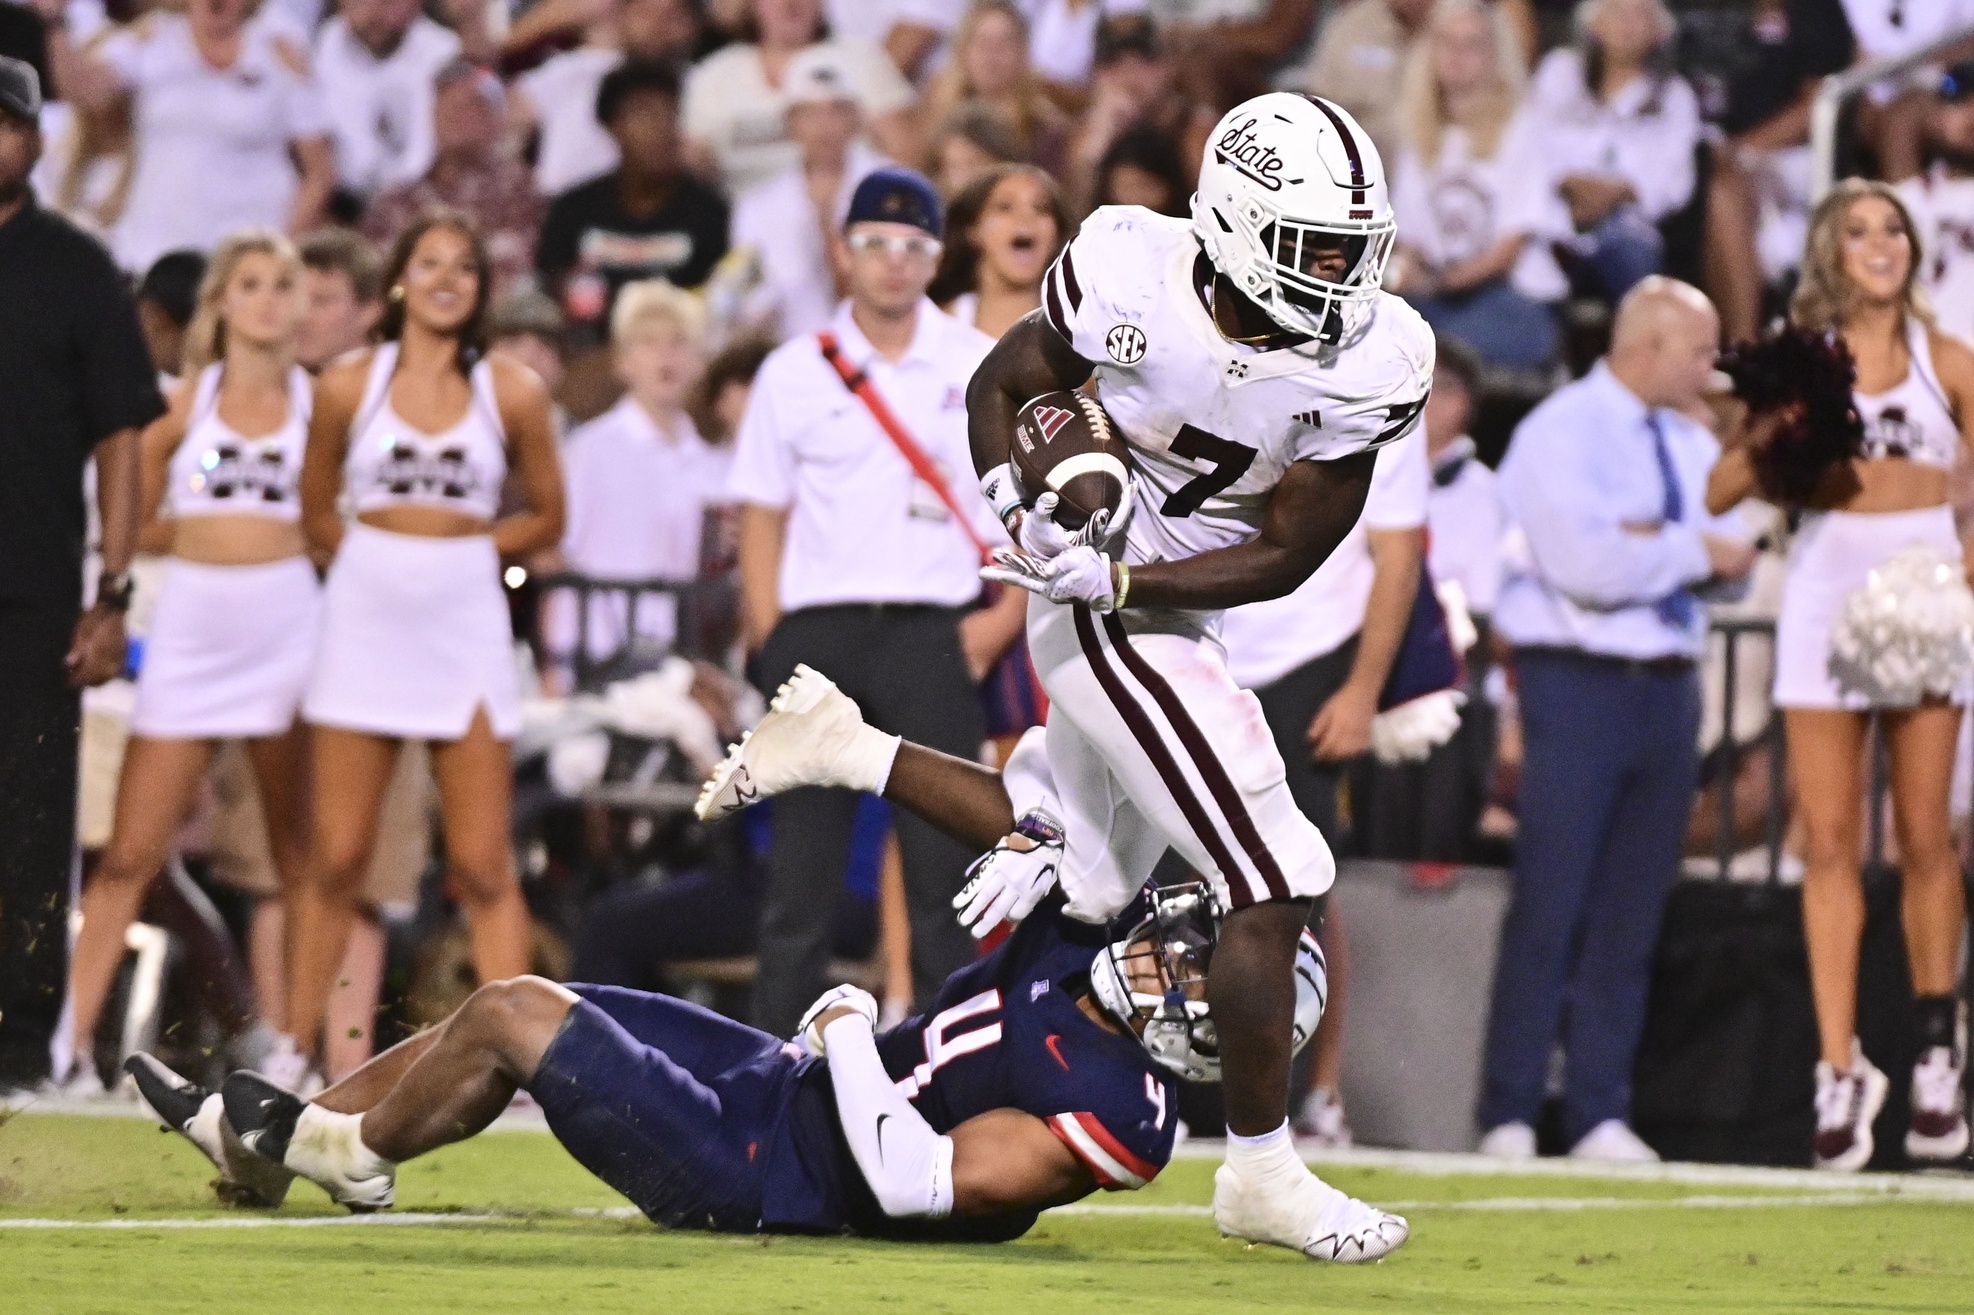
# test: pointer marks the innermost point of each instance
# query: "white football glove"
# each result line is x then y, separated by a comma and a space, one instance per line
1042, 537
1076, 575
1008, 881
806, 1031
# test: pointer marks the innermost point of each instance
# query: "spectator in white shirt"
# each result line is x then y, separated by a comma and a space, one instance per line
228, 126
1942, 203
797, 290
990, 66
732, 114
1474, 192
377, 62
556, 101
853, 564
1621, 130
1463, 512
1002, 233
640, 477
1062, 34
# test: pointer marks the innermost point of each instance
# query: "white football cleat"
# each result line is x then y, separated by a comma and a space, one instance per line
1322, 1120
1938, 1133
813, 734
1613, 1142
1305, 1214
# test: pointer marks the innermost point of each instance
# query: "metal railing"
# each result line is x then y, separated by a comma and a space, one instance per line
1840, 87
703, 626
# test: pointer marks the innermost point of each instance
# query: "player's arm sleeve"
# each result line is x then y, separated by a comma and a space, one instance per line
908, 1166
1115, 1166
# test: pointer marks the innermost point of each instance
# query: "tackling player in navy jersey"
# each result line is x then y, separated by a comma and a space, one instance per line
1039, 1074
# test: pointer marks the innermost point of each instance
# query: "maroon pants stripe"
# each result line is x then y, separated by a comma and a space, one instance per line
1218, 783
1146, 733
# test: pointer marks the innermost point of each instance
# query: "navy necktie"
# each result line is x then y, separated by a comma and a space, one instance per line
1680, 607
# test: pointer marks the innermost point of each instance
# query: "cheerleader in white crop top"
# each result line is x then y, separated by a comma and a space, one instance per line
415, 439
1915, 394
233, 633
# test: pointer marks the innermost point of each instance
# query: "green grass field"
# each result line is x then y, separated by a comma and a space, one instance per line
108, 1215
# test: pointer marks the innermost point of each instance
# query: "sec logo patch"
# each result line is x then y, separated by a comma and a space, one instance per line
1126, 344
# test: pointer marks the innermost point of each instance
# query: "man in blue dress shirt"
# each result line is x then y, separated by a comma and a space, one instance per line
1609, 548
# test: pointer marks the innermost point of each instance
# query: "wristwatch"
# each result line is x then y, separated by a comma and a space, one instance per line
113, 591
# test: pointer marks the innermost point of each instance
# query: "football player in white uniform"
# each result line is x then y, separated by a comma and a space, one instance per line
1254, 365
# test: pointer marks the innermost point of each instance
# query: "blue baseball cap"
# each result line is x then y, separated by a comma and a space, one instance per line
897, 196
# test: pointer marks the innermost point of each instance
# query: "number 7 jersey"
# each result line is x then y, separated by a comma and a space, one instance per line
1213, 425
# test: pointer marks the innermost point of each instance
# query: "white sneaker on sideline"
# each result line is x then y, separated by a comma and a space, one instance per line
1938, 1132
288, 1068
1613, 1142
813, 734
1304, 1214
1322, 1120
1509, 1141
1846, 1105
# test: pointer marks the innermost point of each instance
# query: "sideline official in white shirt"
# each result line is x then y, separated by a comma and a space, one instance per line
853, 564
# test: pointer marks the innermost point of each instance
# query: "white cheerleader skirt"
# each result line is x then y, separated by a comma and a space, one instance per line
415, 638
229, 650
1832, 553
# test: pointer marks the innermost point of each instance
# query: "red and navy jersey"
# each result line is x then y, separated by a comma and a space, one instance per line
1006, 1032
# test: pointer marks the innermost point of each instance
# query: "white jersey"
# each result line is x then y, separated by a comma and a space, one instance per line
1213, 425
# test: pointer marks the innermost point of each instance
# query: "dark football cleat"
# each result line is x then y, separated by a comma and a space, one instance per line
263, 1114
199, 1116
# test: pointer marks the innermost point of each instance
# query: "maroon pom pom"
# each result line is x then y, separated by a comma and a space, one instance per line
1813, 374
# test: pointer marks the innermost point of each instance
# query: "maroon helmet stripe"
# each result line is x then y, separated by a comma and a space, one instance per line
1052, 307
1145, 732
1200, 749
1350, 149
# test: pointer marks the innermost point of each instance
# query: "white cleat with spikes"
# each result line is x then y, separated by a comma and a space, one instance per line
1304, 1214
813, 734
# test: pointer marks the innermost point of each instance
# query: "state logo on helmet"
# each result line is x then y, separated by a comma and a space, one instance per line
1292, 208
1153, 980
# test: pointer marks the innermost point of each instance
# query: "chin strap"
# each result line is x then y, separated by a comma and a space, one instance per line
909, 1166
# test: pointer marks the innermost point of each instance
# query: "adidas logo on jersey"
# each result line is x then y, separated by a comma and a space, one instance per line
1314, 419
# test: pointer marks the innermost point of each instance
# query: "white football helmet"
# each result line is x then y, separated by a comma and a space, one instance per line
1289, 179
1173, 945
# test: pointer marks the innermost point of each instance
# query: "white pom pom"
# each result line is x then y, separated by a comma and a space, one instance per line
1907, 633
1413, 729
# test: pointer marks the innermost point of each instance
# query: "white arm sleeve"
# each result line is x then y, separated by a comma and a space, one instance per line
909, 1166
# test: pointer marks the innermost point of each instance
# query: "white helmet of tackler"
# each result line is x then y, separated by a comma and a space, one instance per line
1177, 934
1285, 175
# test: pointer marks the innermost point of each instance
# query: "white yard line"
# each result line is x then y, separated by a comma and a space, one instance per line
1935, 1185
1491, 1205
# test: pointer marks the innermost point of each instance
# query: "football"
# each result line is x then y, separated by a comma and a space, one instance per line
1064, 443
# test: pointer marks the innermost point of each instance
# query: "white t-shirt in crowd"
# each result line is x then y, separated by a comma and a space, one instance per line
730, 107
1886, 29
1458, 207
797, 291
1645, 135
1943, 213
211, 145
861, 20
1464, 524
573, 147
637, 510
1266, 641
862, 527
1062, 34
380, 110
